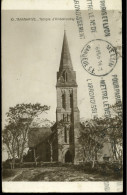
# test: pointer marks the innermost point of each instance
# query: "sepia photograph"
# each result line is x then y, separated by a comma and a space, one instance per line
62, 119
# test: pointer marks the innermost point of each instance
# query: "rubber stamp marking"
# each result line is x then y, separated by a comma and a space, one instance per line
98, 54
79, 19
98, 57
117, 94
91, 16
105, 19
106, 186
92, 98
106, 105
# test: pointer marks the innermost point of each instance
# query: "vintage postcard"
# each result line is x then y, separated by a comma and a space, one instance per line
62, 125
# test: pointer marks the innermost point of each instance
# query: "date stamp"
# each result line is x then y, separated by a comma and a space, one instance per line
98, 57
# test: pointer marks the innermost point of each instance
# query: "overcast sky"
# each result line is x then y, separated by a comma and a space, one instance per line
31, 54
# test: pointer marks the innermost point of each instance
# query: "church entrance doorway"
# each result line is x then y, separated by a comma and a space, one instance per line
68, 157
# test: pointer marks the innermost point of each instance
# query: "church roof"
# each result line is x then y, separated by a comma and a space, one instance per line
65, 55
38, 135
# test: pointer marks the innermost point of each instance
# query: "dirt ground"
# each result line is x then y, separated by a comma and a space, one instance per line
53, 174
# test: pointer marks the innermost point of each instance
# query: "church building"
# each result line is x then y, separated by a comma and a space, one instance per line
61, 140
60, 143
66, 146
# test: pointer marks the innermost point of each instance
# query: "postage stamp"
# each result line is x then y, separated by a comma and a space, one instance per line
62, 118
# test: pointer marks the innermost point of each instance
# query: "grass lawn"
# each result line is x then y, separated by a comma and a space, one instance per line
53, 174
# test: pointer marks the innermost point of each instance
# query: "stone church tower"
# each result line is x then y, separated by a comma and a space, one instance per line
67, 111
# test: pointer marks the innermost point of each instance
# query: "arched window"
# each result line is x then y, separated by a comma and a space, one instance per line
65, 76
71, 100
65, 134
68, 117
63, 101
70, 135
64, 117
71, 117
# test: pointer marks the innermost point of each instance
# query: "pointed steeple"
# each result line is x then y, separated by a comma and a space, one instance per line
66, 76
65, 62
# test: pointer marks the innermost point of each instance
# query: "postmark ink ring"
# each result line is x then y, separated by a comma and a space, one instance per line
98, 57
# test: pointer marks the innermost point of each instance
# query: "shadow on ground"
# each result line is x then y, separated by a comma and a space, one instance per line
56, 174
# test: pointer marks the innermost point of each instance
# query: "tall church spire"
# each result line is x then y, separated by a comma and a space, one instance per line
65, 55
67, 110
66, 75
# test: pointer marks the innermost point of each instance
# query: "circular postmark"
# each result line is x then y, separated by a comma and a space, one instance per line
98, 57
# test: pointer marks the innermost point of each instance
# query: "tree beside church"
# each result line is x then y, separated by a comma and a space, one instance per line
70, 140
67, 140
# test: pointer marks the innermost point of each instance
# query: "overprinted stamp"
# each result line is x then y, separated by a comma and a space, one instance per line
98, 57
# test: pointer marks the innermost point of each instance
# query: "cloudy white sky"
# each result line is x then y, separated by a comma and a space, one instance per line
31, 56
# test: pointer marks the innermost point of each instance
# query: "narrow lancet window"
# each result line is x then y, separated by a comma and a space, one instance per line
71, 101
65, 135
65, 76
63, 101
